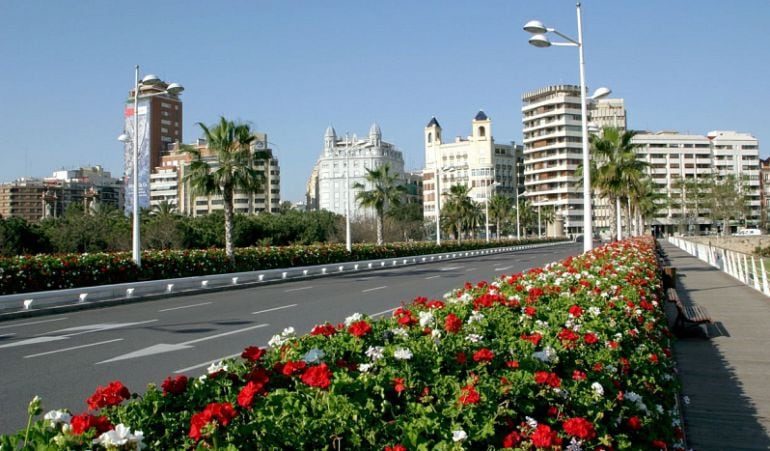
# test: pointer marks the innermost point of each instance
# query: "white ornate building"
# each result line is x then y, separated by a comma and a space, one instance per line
344, 162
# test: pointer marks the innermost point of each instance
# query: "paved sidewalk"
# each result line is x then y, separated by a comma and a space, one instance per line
725, 377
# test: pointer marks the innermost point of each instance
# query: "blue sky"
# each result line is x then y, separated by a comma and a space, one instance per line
292, 68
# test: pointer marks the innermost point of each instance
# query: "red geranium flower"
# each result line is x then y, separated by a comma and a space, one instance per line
326, 330
590, 338
453, 324
568, 335
317, 376
247, 393
222, 413
461, 358
111, 395
293, 367
483, 355
580, 428
398, 447
575, 311
399, 385
579, 375
253, 353
551, 379
360, 328
511, 440
85, 421
469, 395
634, 423
175, 386
544, 437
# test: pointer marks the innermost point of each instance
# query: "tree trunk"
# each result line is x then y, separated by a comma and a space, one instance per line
497, 229
613, 218
380, 221
227, 201
628, 218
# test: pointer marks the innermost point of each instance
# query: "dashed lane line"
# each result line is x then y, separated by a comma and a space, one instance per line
72, 348
374, 289
30, 323
183, 307
274, 309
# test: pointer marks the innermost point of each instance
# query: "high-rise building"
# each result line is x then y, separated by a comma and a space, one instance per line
553, 150
160, 126
344, 162
476, 161
674, 159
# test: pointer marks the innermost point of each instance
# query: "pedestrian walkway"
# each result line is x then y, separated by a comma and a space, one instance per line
725, 376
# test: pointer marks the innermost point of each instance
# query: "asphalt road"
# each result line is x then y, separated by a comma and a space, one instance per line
64, 357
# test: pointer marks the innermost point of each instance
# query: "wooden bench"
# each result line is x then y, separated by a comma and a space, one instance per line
687, 315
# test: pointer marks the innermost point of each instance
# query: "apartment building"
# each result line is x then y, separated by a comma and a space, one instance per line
553, 150
477, 161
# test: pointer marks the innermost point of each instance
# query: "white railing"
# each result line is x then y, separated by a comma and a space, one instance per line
126, 292
742, 266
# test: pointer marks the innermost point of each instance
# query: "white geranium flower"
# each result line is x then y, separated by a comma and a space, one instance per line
402, 354
633, 396
279, 340
400, 333
475, 317
375, 352
353, 318
313, 356
531, 422
57, 416
436, 335
459, 436
120, 436
546, 355
597, 388
426, 319
575, 445
364, 367
217, 367
474, 338
594, 311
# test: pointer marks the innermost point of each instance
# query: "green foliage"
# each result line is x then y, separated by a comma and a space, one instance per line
383, 195
18, 237
103, 230
525, 354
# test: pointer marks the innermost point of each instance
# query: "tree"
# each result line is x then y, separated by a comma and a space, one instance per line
231, 169
385, 193
407, 216
725, 201
648, 200
527, 215
614, 167
500, 208
457, 209
547, 215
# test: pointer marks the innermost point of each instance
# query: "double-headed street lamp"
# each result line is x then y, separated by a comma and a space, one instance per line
539, 39
490, 188
173, 89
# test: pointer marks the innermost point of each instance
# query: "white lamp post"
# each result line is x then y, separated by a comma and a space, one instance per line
516, 182
174, 89
348, 244
540, 40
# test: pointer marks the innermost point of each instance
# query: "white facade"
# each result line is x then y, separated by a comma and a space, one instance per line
475, 161
164, 186
329, 188
553, 150
672, 156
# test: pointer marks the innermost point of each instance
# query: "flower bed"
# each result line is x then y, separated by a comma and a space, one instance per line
574, 355
53, 272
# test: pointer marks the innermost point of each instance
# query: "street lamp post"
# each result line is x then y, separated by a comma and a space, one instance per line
516, 182
540, 40
174, 89
348, 244
439, 171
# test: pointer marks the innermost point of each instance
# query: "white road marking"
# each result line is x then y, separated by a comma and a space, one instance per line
450, 268
32, 322
87, 329
32, 341
374, 289
431, 277
7, 335
71, 348
165, 347
297, 289
184, 306
274, 309
503, 268
201, 365
382, 313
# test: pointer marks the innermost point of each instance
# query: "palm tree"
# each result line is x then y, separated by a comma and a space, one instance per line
231, 169
457, 209
547, 216
163, 209
647, 199
614, 167
527, 215
500, 208
384, 193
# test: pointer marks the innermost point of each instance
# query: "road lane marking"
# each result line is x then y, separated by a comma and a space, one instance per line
32, 341
206, 364
450, 268
374, 289
431, 277
32, 322
382, 313
165, 347
504, 268
87, 329
274, 309
184, 306
7, 335
297, 289
71, 348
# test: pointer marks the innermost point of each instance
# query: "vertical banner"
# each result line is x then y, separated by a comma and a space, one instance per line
144, 155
